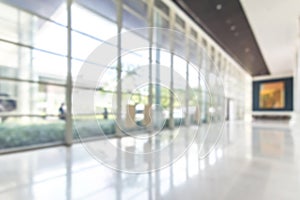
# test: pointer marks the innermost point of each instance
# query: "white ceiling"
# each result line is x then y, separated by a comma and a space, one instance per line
275, 24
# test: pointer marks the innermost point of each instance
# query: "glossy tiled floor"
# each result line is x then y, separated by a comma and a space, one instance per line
251, 161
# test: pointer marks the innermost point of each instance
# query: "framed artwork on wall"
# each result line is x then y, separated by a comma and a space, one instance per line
273, 95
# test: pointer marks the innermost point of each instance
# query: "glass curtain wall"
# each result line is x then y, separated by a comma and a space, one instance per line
93, 24
161, 68
195, 58
179, 88
181, 85
204, 75
32, 72
135, 92
34, 69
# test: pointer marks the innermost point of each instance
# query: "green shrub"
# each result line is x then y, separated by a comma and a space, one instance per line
20, 135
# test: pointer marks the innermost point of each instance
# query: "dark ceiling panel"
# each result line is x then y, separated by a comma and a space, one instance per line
226, 22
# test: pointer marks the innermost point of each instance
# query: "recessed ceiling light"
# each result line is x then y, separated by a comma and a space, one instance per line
247, 49
219, 6
232, 28
228, 21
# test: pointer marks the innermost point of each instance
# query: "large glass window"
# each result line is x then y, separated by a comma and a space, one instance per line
34, 69
29, 114
194, 93
93, 25
180, 69
33, 72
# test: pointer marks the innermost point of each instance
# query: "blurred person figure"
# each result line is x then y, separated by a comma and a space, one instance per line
105, 113
62, 113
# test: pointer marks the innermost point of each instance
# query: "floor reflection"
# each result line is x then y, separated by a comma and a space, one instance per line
248, 162
276, 143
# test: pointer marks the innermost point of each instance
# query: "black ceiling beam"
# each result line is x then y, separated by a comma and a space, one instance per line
225, 21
